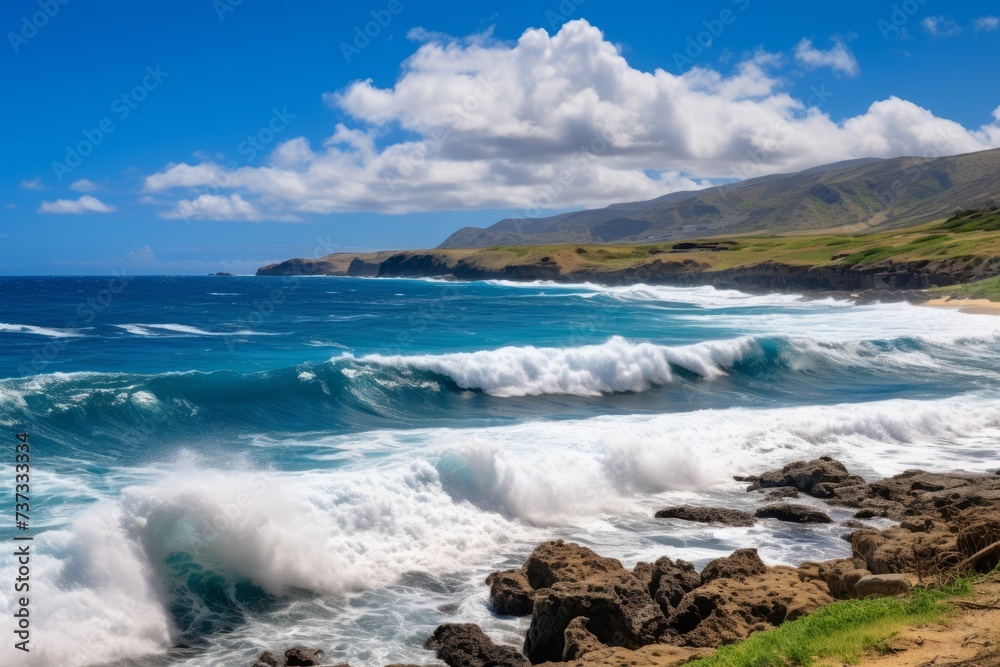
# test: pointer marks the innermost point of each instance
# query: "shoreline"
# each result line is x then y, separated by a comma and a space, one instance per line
967, 306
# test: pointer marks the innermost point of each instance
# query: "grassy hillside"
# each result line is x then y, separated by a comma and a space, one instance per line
855, 197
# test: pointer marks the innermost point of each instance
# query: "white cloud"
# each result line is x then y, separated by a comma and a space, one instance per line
85, 204
839, 57
986, 23
84, 185
555, 121
220, 207
33, 184
940, 26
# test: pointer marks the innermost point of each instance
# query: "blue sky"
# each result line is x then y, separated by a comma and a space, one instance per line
222, 135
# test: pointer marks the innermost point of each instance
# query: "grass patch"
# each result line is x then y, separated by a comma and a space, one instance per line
843, 631
982, 289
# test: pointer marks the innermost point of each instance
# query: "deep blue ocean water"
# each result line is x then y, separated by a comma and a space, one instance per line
223, 465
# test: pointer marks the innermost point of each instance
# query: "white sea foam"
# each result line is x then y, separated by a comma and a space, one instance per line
40, 331
184, 330
615, 366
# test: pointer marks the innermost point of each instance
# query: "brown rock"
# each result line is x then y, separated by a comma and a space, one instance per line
978, 528
917, 493
268, 659
653, 655
552, 562
741, 564
726, 610
670, 581
510, 593
842, 576
720, 515
466, 645
781, 493
818, 478
300, 656
618, 606
886, 585
578, 640
792, 513
922, 547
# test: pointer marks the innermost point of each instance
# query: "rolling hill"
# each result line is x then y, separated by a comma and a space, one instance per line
864, 195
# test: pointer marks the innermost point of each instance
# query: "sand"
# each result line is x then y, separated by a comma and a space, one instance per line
971, 306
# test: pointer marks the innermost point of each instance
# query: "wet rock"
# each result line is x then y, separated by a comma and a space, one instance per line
741, 564
726, 610
617, 604
556, 561
944, 496
300, 656
578, 640
510, 593
857, 525
268, 659
721, 515
819, 478
466, 645
792, 513
781, 493
886, 585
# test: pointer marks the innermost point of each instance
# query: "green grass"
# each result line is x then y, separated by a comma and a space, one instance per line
982, 289
841, 632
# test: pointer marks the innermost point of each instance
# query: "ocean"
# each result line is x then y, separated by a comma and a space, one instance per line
226, 465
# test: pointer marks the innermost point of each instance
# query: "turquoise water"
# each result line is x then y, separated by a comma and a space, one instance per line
226, 465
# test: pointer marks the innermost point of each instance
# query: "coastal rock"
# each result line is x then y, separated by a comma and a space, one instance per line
722, 515
268, 659
618, 606
922, 546
943, 496
560, 561
726, 610
781, 493
792, 513
466, 645
510, 593
841, 576
653, 655
667, 581
741, 564
300, 656
886, 585
819, 478
578, 640
978, 528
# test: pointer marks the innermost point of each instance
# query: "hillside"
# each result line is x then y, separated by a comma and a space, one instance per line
963, 249
859, 195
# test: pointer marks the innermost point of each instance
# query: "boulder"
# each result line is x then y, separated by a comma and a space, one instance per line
466, 645
978, 528
841, 577
667, 581
300, 656
886, 585
653, 655
819, 478
792, 513
727, 610
923, 547
741, 564
720, 515
943, 496
618, 607
268, 659
510, 593
578, 640
781, 493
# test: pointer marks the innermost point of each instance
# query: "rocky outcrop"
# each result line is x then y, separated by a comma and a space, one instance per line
720, 515
728, 609
667, 581
655, 655
466, 645
918, 493
792, 513
510, 593
922, 546
819, 478
741, 565
882, 585
296, 656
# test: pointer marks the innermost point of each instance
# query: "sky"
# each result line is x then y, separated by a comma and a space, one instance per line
193, 136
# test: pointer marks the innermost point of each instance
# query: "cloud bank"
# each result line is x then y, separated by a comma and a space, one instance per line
554, 120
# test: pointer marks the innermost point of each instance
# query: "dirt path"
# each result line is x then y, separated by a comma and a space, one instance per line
969, 636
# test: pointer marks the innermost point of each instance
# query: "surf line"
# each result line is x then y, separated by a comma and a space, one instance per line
22, 552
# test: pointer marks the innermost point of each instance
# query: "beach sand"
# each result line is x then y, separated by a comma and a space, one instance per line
972, 306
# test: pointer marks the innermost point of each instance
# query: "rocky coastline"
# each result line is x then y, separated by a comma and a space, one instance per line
587, 610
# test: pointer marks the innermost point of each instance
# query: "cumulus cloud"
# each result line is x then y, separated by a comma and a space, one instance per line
85, 204
940, 26
32, 184
83, 185
215, 207
839, 57
986, 23
554, 120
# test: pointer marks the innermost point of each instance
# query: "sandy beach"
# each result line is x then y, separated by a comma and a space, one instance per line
971, 306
